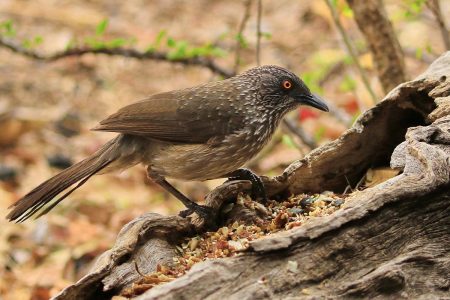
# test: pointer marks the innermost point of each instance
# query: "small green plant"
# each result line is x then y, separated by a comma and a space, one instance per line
287, 140
98, 41
421, 50
320, 133
7, 28
31, 43
348, 84
343, 8
157, 43
413, 8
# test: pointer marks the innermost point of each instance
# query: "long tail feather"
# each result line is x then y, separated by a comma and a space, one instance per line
43, 194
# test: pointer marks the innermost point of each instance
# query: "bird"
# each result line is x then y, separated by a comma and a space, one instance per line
204, 132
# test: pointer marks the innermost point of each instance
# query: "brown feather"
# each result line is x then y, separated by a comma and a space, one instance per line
179, 116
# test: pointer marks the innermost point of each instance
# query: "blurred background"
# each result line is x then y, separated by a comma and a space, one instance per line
48, 101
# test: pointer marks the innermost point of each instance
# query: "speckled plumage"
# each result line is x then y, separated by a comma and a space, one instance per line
198, 133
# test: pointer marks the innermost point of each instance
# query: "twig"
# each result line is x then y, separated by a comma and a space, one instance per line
348, 187
239, 37
137, 269
258, 33
300, 133
435, 8
351, 50
126, 52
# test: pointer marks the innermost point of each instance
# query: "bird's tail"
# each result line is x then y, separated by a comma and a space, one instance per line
40, 198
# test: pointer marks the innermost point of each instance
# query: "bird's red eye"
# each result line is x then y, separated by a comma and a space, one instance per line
287, 84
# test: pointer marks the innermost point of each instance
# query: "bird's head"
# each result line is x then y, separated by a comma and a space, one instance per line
279, 87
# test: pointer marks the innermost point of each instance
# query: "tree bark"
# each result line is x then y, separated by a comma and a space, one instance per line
388, 241
373, 22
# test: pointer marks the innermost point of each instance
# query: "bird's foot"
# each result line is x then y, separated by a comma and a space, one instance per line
205, 212
258, 189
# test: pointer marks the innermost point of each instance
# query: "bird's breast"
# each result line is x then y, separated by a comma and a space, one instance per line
214, 159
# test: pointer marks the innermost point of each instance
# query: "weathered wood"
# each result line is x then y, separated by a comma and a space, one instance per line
391, 240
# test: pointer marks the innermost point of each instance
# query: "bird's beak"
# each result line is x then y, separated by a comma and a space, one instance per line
314, 101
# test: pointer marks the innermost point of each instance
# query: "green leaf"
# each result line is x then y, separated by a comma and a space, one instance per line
218, 52
419, 53
171, 43
94, 43
287, 140
348, 60
31, 43
161, 35
240, 38
180, 51
116, 43
101, 27
26, 44
38, 40
347, 84
7, 28
312, 79
319, 134
413, 8
266, 35
347, 12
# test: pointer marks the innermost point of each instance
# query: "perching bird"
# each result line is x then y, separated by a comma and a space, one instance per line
199, 133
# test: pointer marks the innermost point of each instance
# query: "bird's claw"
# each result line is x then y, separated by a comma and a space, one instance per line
258, 189
205, 212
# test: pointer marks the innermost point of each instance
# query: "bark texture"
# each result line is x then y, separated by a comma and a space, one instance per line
373, 22
388, 241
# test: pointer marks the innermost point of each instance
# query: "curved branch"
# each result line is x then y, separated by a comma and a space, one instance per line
126, 52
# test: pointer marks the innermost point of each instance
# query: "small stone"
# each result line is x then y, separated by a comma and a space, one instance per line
327, 193
325, 199
296, 211
292, 266
193, 244
224, 231
306, 202
337, 202
235, 225
306, 291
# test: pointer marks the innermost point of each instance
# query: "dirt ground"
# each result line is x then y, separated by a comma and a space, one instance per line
47, 108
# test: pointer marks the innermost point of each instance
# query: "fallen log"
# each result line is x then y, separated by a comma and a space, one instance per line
391, 239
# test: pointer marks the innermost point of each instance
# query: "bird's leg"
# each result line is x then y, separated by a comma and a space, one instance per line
258, 189
203, 211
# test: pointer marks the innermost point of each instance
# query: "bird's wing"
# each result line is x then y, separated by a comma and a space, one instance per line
186, 116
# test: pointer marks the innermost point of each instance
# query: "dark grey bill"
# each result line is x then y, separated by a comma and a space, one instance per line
314, 101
